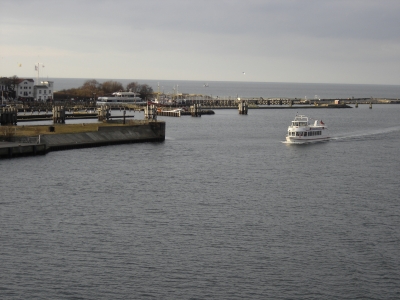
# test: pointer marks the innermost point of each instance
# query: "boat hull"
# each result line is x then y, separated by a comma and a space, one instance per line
304, 140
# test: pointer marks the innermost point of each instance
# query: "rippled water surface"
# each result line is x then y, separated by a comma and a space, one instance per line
221, 210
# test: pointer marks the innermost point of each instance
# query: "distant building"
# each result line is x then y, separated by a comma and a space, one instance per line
44, 91
24, 89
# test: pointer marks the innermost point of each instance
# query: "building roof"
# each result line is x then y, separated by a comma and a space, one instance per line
23, 79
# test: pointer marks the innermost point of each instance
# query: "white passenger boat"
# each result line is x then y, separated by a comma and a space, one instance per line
302, 131
120, 98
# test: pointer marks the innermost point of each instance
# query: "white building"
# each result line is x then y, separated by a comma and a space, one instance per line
44, 91
24, 88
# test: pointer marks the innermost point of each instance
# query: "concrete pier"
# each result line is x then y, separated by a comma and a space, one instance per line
58, 137
113, 135
10, 150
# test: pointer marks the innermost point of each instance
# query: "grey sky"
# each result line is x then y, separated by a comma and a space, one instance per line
332, 41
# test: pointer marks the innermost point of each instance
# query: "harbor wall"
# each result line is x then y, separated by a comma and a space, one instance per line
151, 132
105, 135
9, 150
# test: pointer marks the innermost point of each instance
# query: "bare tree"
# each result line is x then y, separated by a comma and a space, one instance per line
145, 91
133, 86
90, 88
11, 85
92, 85
109, 87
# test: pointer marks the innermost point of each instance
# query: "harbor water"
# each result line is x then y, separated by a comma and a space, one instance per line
222, 209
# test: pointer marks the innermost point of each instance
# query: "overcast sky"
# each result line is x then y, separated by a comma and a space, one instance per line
315, 41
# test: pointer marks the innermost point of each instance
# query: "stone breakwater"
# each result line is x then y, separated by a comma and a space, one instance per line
105, 135
151, 132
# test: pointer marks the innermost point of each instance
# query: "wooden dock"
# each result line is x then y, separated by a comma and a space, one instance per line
168, 113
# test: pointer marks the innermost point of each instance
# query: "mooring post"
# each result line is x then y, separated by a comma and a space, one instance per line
58, 114
243, 107
195, 110
150, 112
8, 116
103, 113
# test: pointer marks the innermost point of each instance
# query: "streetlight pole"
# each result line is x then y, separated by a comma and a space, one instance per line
37, 68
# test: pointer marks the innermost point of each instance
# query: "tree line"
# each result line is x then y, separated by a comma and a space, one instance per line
93, 89
90, 89
9, 84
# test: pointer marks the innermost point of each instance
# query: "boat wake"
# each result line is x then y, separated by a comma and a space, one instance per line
364, 134
350, 136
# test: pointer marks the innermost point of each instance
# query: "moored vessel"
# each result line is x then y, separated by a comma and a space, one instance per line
120, 98
302, 131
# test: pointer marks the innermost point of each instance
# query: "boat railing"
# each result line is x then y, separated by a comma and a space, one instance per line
299, 123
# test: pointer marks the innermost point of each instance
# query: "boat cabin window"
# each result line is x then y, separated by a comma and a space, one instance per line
312, 133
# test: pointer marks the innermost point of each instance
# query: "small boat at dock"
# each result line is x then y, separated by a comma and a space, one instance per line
302, 131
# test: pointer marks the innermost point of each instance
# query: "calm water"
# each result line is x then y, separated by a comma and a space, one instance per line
225, 89
220, 210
